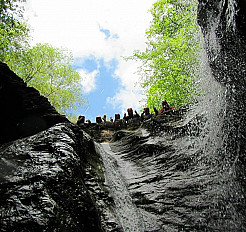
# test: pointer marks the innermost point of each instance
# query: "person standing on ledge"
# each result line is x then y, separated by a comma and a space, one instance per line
165, 108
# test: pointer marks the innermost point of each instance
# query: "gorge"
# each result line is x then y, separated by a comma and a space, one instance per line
184, 172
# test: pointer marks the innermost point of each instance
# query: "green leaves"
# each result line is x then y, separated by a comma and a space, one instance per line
49, 70
46, 68
170, 59
14, 34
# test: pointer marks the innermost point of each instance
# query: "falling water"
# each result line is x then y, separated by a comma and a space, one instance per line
126, 211
224, 100
192, 180
223, 141
230, 13
186, 173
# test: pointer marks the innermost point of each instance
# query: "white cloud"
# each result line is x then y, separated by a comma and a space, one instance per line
76, 25
126, 98
88, 80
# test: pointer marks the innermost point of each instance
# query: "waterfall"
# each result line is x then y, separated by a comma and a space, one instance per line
125, 210
179, 172
231, 10
189, 175
224, 103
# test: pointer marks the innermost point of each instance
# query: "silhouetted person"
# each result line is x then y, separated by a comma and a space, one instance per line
129, 116
98, 119
88, 121
104, 118
116, 117
136, 115
165, 108
130, 113
81, 120
146, 114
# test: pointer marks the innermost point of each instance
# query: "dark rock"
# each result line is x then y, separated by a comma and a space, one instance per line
173, 183
23, 111
223, 24
42, 185
43, 161
179, 172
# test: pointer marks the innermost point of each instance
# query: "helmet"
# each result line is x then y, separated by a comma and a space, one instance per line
117, 116
146, 109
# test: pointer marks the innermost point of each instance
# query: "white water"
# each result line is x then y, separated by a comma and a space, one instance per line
127, 213
212, 105
230, 14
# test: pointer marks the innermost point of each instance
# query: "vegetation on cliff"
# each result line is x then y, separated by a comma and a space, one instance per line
170, 59
49, 70
168, 63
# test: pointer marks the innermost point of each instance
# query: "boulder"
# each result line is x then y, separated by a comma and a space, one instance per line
42, 183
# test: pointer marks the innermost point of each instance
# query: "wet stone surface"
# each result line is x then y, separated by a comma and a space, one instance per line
179, 173
42, 187
174, 186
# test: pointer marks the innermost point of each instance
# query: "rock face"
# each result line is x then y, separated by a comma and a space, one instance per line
223, 24
41, 183
42, 173
23, 111
173, 184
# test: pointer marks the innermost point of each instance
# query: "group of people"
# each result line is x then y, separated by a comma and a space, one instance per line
166, 109
128, 117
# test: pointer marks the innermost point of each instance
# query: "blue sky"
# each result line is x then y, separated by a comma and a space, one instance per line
99, 33
106, 85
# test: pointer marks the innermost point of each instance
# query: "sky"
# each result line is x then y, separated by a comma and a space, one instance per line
99, 33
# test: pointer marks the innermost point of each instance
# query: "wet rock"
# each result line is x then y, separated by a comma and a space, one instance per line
223, 24
187, 173
42, 183
94, 179
174, 184
43, 160
179, 172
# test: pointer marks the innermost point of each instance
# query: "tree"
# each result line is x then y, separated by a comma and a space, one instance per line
49, 70
14, 33
169, 61
43, 67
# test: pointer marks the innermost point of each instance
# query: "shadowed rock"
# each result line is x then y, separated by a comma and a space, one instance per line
24, 111
42, 164
223, 24
42, 186
175, 183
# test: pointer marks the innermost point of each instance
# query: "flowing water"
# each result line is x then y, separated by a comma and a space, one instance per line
188, 177
125, 210
184, 173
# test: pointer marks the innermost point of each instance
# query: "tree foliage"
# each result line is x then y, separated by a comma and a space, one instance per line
46, 68
14, 33
169, 61
49, 70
